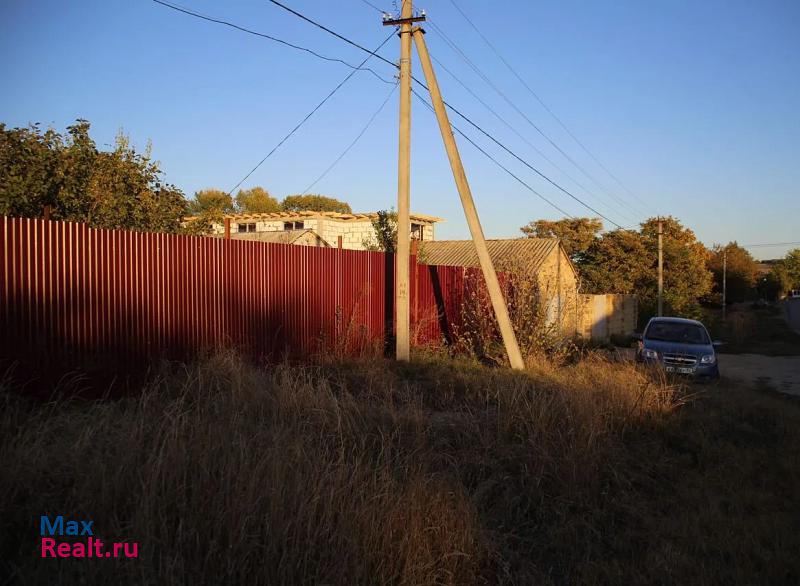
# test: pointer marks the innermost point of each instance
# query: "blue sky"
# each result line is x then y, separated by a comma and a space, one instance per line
694, 105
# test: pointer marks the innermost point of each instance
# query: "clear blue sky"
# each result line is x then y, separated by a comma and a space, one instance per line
694, 105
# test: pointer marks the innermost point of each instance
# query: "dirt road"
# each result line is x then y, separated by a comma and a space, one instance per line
782, 373
779, 372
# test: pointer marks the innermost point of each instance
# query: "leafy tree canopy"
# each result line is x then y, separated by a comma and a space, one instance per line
742, 272
785, 274
314, 203
626, 261
207, 200
256, 200
576, 234
110, 189
385, 239
791, 262
617, 262
686, 276
203, 223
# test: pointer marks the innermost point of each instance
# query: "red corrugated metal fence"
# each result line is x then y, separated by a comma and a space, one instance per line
78, 297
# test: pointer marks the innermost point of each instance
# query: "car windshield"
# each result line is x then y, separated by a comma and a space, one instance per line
664, 331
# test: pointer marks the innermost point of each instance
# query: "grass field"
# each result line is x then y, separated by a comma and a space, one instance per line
434, 472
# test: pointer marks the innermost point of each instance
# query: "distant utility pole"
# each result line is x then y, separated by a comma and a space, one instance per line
464, 192
724, 282
660, 268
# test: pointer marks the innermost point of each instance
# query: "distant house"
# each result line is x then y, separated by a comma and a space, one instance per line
354, 229
298, 237
544, 261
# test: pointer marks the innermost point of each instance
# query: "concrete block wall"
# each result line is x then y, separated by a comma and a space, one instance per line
603, 316
260, 226
353, 233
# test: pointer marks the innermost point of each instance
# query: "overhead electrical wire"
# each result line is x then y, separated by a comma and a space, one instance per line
358, 68
522, 137
770, 245
545, 106
453, 109
269, 37
371, 5
361, 68
329, 31
353, 143
531, 167
491, 158
317, 107
519, 111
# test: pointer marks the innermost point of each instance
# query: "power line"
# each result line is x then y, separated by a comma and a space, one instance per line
522, 114
531, 167
452, 108
521, 136
371, 5
772, 244
360, 68
545, 106
329, 31
491, 158
353, 143
318, 106
269, 37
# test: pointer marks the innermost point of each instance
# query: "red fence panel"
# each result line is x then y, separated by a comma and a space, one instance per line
75, 297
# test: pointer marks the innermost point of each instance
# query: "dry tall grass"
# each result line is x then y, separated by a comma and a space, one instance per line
370, 472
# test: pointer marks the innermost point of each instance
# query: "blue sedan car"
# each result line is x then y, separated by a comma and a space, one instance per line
681, 346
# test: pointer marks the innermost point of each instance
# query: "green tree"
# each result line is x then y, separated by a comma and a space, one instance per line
742, 272
617, 262
576, 234
207, 200
314, 203
125, 191
791, 265
784, 275
256, 200
687, 279
30, 169
626, 261
203, 223
385, 239
78, 160
774, 284
116, 189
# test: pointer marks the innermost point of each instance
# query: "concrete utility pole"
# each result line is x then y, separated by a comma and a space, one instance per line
492, 284
660, 269
402, 258
724, 282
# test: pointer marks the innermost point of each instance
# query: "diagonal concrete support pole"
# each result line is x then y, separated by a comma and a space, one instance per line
492, 284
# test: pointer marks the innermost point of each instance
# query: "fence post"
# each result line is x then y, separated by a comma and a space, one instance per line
415, 277
46, 212
339, 242
227, 228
